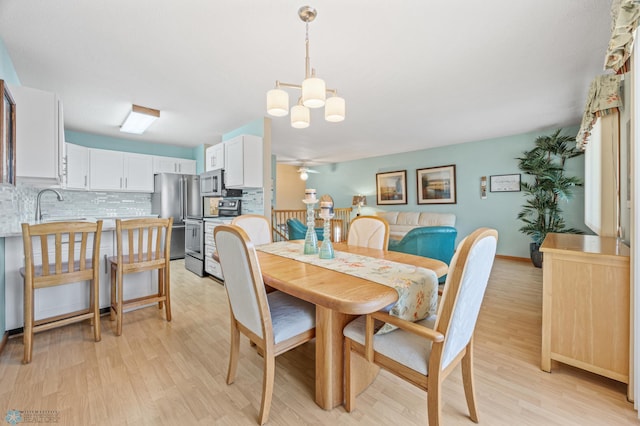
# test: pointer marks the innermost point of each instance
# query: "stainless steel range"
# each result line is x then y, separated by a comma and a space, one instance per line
226, 211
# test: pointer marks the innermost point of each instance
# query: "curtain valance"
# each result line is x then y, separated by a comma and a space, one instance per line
603, 98
625, 23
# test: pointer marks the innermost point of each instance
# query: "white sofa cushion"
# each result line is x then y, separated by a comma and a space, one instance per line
400, 223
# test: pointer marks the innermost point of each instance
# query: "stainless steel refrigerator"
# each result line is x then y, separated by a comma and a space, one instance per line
177, 196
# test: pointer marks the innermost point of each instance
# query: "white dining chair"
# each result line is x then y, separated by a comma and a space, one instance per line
369, 231
424, 353
275, 322
256, 226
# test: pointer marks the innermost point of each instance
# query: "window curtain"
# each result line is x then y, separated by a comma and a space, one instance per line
625, 22
603, 98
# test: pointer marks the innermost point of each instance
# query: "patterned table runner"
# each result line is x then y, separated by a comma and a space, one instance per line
417, 287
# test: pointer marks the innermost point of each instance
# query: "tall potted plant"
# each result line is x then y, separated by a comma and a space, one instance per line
541, 213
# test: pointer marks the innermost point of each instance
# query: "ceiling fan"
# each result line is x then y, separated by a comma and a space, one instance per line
304, 172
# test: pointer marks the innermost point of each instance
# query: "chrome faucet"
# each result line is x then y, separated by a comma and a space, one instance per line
38, 213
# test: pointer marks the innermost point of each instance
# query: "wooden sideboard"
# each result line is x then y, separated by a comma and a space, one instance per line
586, 305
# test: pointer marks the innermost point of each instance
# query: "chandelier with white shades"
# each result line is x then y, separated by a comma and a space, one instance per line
313, 89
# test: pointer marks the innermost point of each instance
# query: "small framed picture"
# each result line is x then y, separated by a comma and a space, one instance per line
391, 187
437, 185
505, 183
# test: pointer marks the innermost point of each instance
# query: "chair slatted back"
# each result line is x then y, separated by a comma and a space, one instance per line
148, 242
54, 269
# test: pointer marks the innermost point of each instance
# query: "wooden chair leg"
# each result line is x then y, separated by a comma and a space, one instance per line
95, 306
233, 353
112, 310
167, 292
119, 302
28, 323
267, 386
349, 393
467, 381
160, 288
434, 399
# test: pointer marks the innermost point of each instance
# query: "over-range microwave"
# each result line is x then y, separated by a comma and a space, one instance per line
212, 185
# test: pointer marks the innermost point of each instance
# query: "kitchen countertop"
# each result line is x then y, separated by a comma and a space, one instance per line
108, 223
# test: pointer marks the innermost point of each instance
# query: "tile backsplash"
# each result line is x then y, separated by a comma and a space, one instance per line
18, 204
253, 201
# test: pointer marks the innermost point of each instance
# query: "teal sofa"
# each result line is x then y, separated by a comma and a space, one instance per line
436, 242
298, 230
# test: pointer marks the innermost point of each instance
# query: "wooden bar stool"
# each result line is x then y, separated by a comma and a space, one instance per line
73, 258
142, 245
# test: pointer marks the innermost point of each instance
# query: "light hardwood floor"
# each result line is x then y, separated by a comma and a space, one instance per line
160, 373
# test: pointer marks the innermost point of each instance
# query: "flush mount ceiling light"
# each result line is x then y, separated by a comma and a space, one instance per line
139, 119
313, 90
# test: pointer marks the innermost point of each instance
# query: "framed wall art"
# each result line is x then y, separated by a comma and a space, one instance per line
436, 185
391, 187
505, 183
7, 136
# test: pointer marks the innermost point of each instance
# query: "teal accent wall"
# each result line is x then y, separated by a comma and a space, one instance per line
198, 155
127, 145
7, 71
255, 128
472, 160
8, 74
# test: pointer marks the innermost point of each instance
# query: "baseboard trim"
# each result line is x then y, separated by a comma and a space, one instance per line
517, 259
3, 342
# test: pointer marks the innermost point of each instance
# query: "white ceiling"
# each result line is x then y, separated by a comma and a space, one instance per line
415, 74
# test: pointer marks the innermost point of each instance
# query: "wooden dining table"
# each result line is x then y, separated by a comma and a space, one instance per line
338, 298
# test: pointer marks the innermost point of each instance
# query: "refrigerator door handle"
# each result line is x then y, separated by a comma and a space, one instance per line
182, 198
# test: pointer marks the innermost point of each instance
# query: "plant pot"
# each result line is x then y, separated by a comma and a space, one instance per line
536, 255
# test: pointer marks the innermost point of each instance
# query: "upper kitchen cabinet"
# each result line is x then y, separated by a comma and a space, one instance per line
40, 147
120, 171
138, 172
243, 162
174, 165
77, 167
214, 157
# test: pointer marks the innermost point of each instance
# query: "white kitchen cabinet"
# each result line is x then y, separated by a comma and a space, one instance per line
174, 165
106, 170
77, 167
212, 267
120, 171
40, 147
138, 172
70, 297
187, 167
214, 157
243, 157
